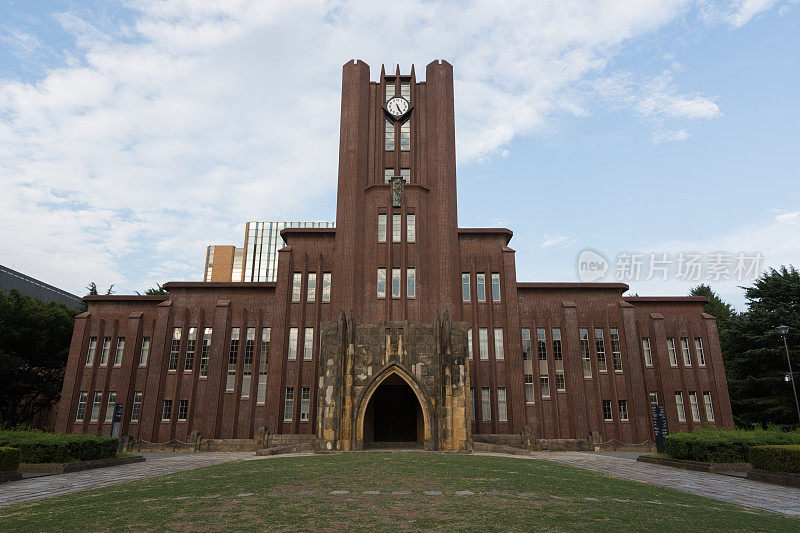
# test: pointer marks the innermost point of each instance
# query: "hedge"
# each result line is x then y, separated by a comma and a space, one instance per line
9, 459
40, 447
720, 446
779, 458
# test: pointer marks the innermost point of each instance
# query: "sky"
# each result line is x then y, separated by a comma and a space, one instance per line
135, 134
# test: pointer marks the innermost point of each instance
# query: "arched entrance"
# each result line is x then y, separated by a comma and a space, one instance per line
393, 416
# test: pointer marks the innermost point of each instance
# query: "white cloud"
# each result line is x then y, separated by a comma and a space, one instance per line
744, 11
557, 241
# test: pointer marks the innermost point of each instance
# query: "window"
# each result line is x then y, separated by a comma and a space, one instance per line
411, 283
405, 89
297, 279
498, 344
600, 348
544, 385
288, 405
390, 90
695, 406
687, 356
527, 364
698, 348
486, 405
623, 410
91, 350
502, 407
98, 396
673, 357
616, 354
648, 354
709, 406
389, 135
183, 409
311, 292
405, 135
541, 344
405, 173
411, 227
608, 414
166, 411
120, 349
495, 286
145, 351
529, 392
191, 346
263, 360
80, 413
483, 343
174, 349
326, 286
111, 403
465, 286
469, 343
481, 287
266, 333
292, 344
381, 227
561, 385
136, 411
233, 355
679, 406
397, 227
585, 354
106, 349
247, 364
308, 344
205, 351
305, 403
472, 403
381, 283
395, 283
653, 397
557, 354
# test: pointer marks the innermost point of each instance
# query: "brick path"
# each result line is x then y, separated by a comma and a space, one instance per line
28, 490
774, 498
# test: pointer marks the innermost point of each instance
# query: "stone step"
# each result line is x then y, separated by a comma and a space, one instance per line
287, 448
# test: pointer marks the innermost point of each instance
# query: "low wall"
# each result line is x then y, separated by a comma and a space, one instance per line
777, 478
61, 468
697, 466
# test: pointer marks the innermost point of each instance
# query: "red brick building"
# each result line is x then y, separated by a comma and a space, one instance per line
397, 325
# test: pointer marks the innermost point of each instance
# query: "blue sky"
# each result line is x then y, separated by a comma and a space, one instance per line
132, 137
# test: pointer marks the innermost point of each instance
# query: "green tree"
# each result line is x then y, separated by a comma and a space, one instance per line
34, 345
158, 290
92, 288
716, 306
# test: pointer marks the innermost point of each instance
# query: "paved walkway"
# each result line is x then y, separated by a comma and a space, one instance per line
774, 498
157, 464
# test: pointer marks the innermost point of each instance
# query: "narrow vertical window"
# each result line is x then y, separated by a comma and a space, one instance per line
183, 410
297, 279
600, 348
405, 89
411, 283
308, 344
679, 406
498, 344
623, 410
326, 286
312, 287
145, 351
81, 412
191, 346
541, 344
695, 406
472, 403
557, 353
648, 354
544, 385
527, 363
247, 363
111, 403
469, 343
709, 406
397, 228
205, 352
136, 410
495, 286
233, 355
263, 360
486, 404
382, 227
405, 173
481, 287
411, 227
483, 343
288, 405
395, 283
91, 350
174, 349
616, 353
381, 285
166, 410
698, 348
389, 135
465, 286
292, 344
687, 356
673, 356
388, 174
119, 351
105, 351
405, 135
502, 406
653, 398
561, 384
608, 414
305, 403
585, 353
98, 396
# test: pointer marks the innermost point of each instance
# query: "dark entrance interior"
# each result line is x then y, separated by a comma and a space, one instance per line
393, 416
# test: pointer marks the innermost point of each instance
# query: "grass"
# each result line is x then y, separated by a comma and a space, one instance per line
218, 498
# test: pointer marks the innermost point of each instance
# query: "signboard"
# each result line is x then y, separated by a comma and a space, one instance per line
117, 421
660, 426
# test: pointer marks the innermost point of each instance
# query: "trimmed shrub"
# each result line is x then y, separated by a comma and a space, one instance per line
720, 446
41, 447
9, 459
777, 458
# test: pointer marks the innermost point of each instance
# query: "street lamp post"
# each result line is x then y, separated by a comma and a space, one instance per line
784, 330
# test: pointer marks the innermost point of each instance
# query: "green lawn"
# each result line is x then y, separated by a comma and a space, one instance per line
508, 494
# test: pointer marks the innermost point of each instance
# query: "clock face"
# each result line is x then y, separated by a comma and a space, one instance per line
397, 106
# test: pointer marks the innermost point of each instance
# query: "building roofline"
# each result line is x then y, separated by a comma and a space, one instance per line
662, 299
219, 285
125, 298
571, 285
505, 232
307, 230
